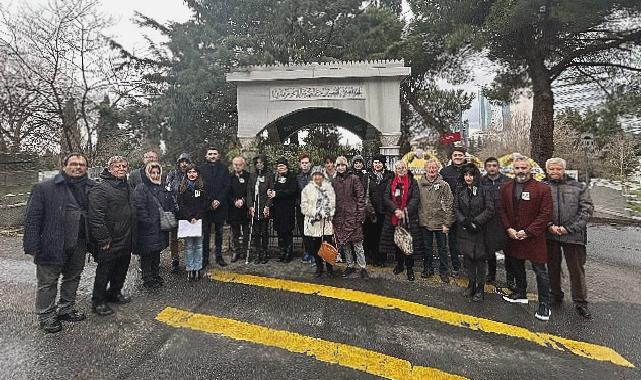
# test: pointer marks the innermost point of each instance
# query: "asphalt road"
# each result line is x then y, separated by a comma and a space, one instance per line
250, 330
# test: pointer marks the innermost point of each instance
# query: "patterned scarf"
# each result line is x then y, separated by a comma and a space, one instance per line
405, 183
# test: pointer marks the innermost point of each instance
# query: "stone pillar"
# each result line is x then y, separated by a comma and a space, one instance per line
248, 147
390, 148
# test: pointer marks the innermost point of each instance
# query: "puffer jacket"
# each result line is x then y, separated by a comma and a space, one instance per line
435, 206
111, 216
314, 226
147, 198
350, 208
572, 209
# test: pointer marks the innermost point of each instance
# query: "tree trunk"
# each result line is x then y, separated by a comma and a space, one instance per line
542, 124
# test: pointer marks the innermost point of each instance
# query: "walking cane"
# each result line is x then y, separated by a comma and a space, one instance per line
251, 226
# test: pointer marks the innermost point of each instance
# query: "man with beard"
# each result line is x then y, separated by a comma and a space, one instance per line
526, 212
452, 174
56, 235
217, 181
496, 239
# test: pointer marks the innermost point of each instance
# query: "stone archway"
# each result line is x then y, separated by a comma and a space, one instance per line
354, 93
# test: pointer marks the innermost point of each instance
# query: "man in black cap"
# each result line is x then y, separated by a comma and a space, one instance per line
375, 212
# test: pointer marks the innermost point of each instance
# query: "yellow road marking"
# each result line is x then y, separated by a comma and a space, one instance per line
582, 349
372, 362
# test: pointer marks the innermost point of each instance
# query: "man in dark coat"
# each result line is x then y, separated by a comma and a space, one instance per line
375, 210
567, 233
496, 238
526, 212
238, 216
135, 176
217, 183
56, 235
452, 175
349, 216
283, 196
112, 229
173, 181
303, 177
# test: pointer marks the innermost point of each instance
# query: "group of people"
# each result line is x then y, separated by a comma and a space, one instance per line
355, 209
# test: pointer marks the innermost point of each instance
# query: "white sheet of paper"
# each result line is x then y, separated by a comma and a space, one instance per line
186, 229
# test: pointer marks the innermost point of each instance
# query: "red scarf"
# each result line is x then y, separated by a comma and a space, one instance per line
405, 181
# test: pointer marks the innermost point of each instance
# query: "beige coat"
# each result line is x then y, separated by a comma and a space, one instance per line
313, 225
436, 204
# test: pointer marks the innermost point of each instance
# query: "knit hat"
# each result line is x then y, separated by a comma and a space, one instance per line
341, 160
282, 161
356, 158
184, 157
317, 169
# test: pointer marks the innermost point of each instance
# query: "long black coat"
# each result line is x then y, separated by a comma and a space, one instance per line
453, 176
44, 230
259, 201
477, 206
217, 182
238, 190
282, 209
376, 190
496, 238
387, 244
111, 216
147, 197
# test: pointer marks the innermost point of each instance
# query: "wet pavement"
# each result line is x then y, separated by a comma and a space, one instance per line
253, 329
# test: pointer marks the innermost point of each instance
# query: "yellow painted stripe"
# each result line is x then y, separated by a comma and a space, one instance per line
372, 362
582, 349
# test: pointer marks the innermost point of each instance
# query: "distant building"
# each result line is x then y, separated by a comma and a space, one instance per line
492, 115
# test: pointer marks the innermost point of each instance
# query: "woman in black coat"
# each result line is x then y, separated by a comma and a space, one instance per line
149, 197
283, 197
473, 207
261, 180
192, 207
401, 195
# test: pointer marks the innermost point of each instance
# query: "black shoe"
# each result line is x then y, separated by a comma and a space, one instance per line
348, 271
102, 309
190, 276
479, 294
220, 261
398, 269
427, 273
265, 259
198, 274
583, 311
364, 274
516, 298
490, 280
543, 313
444, 278
456, 273
318, 274
72, 316
52, 325
410, 275
119, 299
470, 290
175, 266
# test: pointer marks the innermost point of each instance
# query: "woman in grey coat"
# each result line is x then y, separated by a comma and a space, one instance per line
474, 207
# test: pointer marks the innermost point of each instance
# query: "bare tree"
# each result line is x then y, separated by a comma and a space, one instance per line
66, 63
514, 137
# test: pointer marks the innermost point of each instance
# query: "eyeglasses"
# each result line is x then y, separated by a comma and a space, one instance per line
341, 164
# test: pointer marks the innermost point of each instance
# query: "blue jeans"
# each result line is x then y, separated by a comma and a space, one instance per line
441, 248
193, 253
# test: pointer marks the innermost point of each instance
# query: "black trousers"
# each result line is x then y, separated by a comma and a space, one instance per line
476, 270
315, 244
111, 271
404, 260
542, 279
260, 230
238, 230
218, 239
150, 265
453, 246
371, 240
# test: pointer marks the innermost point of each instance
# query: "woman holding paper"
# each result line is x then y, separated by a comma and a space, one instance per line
192, 204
